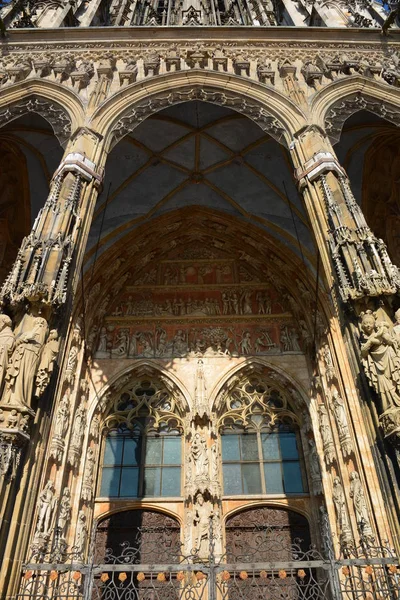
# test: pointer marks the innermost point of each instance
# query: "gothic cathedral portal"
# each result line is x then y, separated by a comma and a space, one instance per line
200, 311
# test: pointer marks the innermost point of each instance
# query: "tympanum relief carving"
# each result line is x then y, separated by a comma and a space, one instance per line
206, 307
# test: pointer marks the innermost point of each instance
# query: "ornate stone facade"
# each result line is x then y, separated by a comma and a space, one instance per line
200, 323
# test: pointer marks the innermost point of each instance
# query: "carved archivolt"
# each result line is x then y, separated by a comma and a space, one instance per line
250, 108
53, 112
342, 109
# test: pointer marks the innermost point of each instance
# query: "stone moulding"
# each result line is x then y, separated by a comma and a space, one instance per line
53, 112
254, 111
342, 109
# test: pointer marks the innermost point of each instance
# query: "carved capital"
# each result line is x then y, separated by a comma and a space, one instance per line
321, 162
77, 162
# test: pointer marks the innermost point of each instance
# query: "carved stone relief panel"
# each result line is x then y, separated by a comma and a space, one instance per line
193, 307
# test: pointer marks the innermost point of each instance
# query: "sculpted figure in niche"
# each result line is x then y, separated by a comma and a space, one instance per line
22, 367
81, 535
315, 469
360, 505
47, 504
341, 512
202, 514
7, 340
62, 417
381, 360
326, 434
72, 363
200, 457
46, 365
65, 513
341, 422
79, 426
88, 479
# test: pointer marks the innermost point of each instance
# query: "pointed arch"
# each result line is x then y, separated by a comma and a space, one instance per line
141, 369
61, 107
272, 111
258, 365
337, 101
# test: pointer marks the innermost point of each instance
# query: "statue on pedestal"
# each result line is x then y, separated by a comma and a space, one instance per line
21, 370
203, 512
380, 355
7, 341
46, 365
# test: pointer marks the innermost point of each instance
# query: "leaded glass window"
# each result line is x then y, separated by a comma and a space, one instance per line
142, 454
262, 462
260, 441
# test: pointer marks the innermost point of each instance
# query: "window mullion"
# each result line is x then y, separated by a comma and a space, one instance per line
141, 464
261, 462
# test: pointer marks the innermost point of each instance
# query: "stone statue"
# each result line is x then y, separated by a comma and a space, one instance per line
46, 364
72, 363
47, 504
7, 341
88, 478
360, 505
102, 348
339, 411
203, 512
341, 512
326, 434
95, 426
315, 469
21, 371
78, 430
81, 536
329, 366
62, 417
64, 514
381, 360
60, 428
200, 457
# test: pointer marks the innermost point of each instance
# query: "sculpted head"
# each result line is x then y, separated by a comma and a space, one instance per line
368, 323
397, 315
5, 321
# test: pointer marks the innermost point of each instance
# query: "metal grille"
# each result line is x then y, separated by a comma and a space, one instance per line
290, 573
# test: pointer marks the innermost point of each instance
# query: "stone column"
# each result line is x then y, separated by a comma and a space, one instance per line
361, 265
36, 300
359, 273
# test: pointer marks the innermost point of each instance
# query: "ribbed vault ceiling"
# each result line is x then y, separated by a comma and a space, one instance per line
199, 154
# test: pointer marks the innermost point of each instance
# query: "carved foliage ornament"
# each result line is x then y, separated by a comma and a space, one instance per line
254, 111
51, 111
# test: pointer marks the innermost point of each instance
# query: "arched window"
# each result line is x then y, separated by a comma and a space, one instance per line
261, 448
142, 454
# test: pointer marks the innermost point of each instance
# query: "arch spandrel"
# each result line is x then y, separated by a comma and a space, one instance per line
62, 108
337, 101
274, 112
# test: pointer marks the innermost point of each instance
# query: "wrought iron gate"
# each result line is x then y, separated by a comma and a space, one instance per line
364, 573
